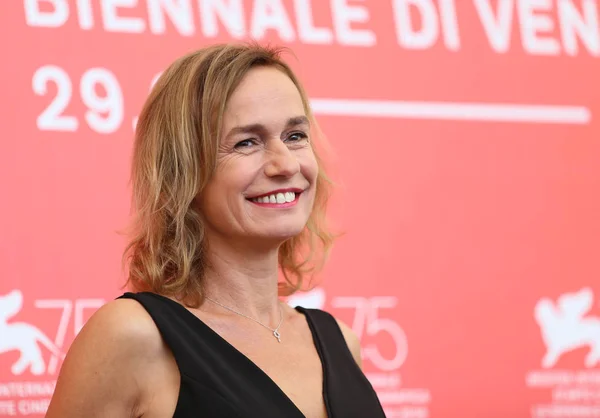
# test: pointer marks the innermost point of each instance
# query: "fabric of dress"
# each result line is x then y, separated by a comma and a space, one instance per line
218, 381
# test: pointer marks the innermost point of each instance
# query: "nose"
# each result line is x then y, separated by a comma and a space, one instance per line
280, 160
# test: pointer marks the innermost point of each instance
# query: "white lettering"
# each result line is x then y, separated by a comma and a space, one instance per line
8, 408
343, 15
271, 14
85, 14
574, 25
33, 406
575, 394
449, 24
588, 378
497, 28
231, 15
307, 32
408, 37
57, 17
565, 411
532, 24
115, 23
384, 380
27, 389
180, 14
404, 396
550, 378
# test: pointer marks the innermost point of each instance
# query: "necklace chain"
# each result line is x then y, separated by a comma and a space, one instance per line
275, 331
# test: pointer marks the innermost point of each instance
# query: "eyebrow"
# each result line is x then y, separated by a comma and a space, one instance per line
257, 128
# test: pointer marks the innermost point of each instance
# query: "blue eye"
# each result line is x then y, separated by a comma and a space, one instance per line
297, 137
246, 143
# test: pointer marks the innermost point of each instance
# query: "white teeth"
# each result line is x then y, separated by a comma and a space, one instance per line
278, 198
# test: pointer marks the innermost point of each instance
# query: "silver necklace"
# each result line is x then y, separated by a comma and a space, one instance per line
275, 331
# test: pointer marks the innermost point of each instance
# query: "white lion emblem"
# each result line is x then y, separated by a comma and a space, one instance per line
565, 327
22, 337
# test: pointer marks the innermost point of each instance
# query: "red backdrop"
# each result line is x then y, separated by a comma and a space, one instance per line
466, 150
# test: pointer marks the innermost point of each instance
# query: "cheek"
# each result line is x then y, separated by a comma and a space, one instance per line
309, 166
207, 202
227, 185
214, 196
218, 207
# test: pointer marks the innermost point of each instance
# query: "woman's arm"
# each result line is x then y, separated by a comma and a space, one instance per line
108, 369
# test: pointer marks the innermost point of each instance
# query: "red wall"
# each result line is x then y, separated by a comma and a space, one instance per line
466, 146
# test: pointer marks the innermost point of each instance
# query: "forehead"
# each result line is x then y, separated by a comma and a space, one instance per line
265, 95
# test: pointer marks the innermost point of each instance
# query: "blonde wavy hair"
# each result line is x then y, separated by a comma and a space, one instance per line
174, 157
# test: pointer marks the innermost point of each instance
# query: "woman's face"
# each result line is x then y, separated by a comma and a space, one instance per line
264, 184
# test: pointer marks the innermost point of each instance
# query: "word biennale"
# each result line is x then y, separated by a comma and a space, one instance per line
543, 27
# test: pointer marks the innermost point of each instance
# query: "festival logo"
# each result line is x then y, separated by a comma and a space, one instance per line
25, 338
376, 330
30, 354
570, 331
564, 327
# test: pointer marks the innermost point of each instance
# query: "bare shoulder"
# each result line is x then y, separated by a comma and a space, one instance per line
351, 340
107, 367
124, 327
122, 324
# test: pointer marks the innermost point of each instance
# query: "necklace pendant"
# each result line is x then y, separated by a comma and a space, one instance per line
277, 335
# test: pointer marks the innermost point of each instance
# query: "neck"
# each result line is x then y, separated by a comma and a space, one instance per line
244, 279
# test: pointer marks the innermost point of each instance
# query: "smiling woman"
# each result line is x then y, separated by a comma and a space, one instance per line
228, 191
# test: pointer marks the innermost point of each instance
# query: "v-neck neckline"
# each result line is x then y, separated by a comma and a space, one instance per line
261, 372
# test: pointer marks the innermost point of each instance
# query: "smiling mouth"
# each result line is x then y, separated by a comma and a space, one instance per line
277, 198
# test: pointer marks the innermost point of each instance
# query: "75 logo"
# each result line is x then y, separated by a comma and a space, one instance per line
29, 340
368, 322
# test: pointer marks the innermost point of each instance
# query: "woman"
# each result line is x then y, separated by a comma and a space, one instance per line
228, 190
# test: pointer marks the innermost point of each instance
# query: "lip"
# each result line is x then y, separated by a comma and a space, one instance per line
291, 189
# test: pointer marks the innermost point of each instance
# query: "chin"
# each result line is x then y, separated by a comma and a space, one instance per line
284, 236
280, 235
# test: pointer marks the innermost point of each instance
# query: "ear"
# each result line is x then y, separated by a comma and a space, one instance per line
11, 304
545, 309
576, 304
587, 295
585, 300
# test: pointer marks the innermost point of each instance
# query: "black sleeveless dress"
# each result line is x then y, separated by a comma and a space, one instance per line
218, 381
